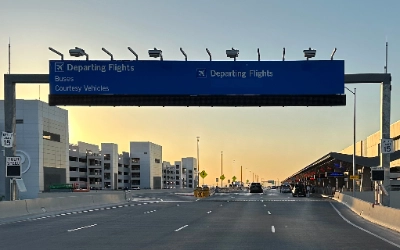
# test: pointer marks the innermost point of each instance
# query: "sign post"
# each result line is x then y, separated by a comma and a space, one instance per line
222, 178
203, 175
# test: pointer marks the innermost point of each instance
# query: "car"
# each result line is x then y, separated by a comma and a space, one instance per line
135, 188
286, 189
299, 190
273, 187
256, 187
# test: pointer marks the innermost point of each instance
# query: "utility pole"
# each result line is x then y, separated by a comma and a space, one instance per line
198, 163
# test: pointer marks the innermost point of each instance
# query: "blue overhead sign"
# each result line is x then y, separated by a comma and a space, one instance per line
312, 77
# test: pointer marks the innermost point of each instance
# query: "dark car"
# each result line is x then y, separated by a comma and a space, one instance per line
256, 187
286, 189
299, 190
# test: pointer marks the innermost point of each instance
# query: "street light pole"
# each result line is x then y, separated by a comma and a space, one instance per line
354, 137
198, 163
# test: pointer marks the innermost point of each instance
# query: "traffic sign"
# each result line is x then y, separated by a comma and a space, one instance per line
387, 146
222, 177
7, 139
118, 77
234, 178
203, 174
13, 166
354, 177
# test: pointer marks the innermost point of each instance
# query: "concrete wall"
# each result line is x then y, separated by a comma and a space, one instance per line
385, 216
45, 206
369, 197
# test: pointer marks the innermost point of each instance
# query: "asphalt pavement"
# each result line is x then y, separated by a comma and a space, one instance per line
173, 220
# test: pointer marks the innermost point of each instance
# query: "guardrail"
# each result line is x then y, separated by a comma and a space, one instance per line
385, 216
44, 205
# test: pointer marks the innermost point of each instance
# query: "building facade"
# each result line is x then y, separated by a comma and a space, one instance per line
42, 142
370, 147
183, 174
146, 165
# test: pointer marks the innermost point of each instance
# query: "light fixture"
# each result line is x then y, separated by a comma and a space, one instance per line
333, 53
309, 53
209, 54
184, 54
108, 53
156, 53
78, 52
133, 52
58, 53
232, 53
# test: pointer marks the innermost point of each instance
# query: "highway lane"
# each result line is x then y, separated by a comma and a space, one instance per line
223, 221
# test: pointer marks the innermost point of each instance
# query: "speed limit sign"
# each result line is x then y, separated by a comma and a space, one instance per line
387, 146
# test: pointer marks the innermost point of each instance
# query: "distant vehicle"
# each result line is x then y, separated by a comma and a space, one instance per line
256, 187
273, 187
286, 189
135, 188
299, 190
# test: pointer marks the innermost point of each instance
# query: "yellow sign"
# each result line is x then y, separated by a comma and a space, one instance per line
222, 177
354, 177
234, 178
203, 174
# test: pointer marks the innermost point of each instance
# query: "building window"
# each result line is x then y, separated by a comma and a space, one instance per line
177, 166
190, 171
145, 153
50, 136
177, 172
157, 161
177, 183
19, 121
135, 160
107, 157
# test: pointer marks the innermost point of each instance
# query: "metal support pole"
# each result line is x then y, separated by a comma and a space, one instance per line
222, 163
354, 142
9, 126
198, 163
385, 134
10, 115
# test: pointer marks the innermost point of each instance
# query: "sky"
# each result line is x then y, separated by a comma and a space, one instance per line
272, 142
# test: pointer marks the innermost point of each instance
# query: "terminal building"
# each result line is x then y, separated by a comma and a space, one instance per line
340, 164
42, 142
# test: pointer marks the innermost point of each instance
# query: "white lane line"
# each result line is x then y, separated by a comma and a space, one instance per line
179, 229
269, 212
362, 229
79, 228
273, 229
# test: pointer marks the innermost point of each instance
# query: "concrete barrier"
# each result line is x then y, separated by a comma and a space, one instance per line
13, 208
48, 205
385, 216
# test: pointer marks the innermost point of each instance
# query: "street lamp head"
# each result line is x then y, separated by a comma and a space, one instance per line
232, 53
77, 52
309, 53
155, 53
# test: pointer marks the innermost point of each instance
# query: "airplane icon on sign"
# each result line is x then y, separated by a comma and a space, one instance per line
59, 67
201, 73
